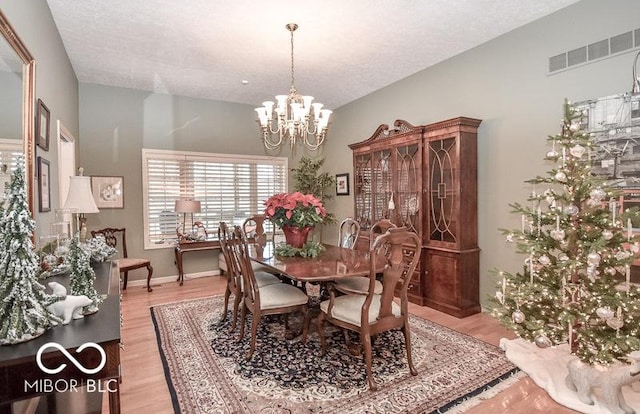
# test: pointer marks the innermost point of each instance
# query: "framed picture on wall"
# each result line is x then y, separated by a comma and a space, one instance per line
108, 192
42, 125
342, 184
44, 185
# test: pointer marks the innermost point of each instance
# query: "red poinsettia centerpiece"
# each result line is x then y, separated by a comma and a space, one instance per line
295, 210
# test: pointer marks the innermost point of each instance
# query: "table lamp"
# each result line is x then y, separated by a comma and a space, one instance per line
187, 206
80, 199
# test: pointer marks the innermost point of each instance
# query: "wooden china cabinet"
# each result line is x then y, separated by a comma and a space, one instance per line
425, 178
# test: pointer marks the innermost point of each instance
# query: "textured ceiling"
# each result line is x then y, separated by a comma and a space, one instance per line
343, 50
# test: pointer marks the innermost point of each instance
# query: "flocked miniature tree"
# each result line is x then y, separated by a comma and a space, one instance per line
575, 284
82, 277
23, 301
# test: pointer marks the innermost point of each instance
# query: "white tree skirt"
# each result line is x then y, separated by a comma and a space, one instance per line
548, 369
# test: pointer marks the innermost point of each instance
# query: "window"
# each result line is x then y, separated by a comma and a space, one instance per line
229, 187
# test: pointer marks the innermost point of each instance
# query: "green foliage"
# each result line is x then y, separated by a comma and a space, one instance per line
577, 255
23, 301
308, 181
310, 249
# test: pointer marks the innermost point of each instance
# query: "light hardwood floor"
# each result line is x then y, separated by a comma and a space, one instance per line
144, 388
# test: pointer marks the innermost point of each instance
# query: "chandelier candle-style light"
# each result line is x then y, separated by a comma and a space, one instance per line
297, 118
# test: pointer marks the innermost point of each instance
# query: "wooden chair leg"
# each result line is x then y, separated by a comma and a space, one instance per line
149, 273
407, 342
243, 317
320, 329
227, 294
366, 342
237, 299
255, 321
126, 279
305, 326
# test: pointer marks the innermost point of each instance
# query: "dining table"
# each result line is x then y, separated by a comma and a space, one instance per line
332, 263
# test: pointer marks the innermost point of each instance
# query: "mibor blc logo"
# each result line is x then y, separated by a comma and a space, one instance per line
74, 361
73, 385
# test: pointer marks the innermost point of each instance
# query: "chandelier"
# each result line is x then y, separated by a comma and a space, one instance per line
296, 118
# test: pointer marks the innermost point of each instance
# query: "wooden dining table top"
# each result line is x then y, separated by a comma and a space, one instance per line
333, 263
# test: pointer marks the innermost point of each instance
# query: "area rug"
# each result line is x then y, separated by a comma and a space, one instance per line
207, 373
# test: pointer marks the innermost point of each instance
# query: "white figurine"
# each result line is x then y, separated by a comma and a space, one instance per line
583, 377
70, 307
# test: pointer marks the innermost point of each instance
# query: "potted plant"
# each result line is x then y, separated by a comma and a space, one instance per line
296, 214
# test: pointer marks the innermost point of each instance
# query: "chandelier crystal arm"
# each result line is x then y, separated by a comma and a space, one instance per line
293, 116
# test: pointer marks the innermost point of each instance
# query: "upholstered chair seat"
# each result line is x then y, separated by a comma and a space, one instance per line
347, 308
357, 285
281, 295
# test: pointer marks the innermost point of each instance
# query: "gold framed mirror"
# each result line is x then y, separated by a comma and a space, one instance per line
17, 67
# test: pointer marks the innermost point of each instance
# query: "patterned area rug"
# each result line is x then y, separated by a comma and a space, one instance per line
207, 373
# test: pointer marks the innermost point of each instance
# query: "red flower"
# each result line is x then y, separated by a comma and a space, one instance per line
294, 209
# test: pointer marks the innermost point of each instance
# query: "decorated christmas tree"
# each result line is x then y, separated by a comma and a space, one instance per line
81, 280
577, 247
23, 301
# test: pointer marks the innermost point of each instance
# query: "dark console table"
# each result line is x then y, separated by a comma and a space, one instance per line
22, 378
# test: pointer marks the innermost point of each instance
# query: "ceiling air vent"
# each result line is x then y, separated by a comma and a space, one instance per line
599, 50
622, 42
577, 56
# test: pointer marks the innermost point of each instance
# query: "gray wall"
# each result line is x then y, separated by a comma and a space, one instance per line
56, 83
119, 122
503, 82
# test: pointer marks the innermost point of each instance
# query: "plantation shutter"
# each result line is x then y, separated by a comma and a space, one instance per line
230, 188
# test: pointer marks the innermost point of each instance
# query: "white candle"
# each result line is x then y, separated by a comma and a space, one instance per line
629, 229
523, 223
628, 278
570, 336
612, 207
539, 219
558, 222
531, 267
504, 286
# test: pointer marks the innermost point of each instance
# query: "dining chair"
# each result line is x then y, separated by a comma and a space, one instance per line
276, 299
235, 282
373, 313
254, 229
348, 233
125, 263
360, 284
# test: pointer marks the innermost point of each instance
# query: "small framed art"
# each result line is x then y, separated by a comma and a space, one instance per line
342, 184
108, 192
42, 125
44, 185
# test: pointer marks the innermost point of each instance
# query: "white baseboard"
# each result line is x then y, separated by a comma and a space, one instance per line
171, 279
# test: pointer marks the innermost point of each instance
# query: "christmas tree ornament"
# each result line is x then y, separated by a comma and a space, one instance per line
607, 234
593, 258
598, 194
577, 151
604, 313
553, 154
510, 237
544, 260
561, 177
571, 210
518, 316
557, 234
542, 341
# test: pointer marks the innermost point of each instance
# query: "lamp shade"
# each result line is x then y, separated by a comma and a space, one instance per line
187, 206
80, 197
